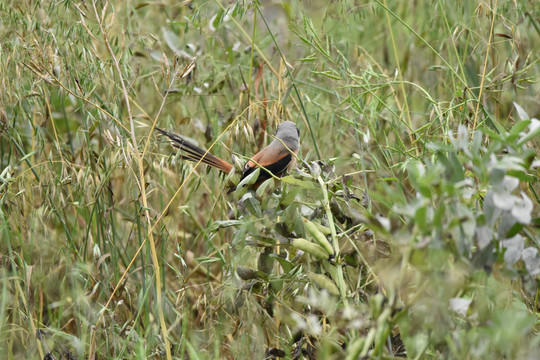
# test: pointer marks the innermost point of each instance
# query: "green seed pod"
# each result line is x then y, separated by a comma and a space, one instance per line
246, 273
324, 229
324, 282
318, 236
310, 248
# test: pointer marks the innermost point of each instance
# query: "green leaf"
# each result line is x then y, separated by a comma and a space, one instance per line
522, 114
523, 176
253, 205
289, 195
285, 264
514, 230
493, 135
250, 179
172, 40
308, 185
496, 176
416, 176
531, 135
420, 217
516, 130
458, 174
27, 156
266, 261
223, 224
453, 168
265, 188
311, 57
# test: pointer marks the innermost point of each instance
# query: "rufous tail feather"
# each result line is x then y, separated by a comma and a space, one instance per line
194, 153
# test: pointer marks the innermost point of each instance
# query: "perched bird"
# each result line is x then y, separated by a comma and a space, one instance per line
276, 158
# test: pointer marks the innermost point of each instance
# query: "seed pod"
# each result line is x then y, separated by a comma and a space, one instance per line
246, 273
324, 282
318, 236
324, 229
310, 248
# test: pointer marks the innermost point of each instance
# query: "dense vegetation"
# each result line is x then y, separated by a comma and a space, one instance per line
410, 227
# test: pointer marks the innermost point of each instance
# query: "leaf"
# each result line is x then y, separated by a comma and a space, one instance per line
285, 264
172, 40
509, 183
224, 224
504, 201
250, 179
156, 55
420, 217
417, 173
308, 185
514, 229
311, 57
141, 5
531, 135
514, 248
266, 261
30, 154
496, 176
484, 236
458, 174
523, 176
215, 21
507, 224
516, 130
265, 188
510, 163
522, 209
288, 197
252, 205
532, 260
492, 134
521, 112
328, 73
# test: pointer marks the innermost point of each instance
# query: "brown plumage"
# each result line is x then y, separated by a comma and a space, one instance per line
276, 158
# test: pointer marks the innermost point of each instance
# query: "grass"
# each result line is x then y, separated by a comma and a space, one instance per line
416, 191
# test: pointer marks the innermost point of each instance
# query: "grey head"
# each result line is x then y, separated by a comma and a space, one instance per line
289, 134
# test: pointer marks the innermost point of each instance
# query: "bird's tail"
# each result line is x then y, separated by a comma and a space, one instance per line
195, 153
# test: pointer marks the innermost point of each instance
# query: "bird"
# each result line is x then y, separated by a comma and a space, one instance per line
275, 159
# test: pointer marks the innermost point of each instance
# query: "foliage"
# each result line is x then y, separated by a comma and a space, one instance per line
409, 228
